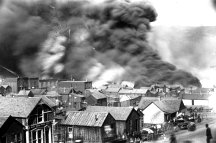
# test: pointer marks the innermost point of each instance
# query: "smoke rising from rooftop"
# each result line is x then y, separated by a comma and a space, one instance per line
85, 40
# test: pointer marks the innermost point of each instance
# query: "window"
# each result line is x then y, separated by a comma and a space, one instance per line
40, 114
33, 136
70, 132
40, 136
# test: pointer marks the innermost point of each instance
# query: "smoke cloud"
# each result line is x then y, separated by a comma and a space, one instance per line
82, 39
192, 49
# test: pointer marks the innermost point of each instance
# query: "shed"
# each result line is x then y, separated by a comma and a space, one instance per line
96, 98
127, 118
11, 130
158, 111
96, 127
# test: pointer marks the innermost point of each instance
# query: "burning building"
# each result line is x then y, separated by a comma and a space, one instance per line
85, 40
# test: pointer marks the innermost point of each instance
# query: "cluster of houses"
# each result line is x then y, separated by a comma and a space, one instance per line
34, 110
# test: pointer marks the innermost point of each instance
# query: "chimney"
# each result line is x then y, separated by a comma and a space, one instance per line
96, 117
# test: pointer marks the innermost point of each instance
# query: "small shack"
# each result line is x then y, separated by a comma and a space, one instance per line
97, 127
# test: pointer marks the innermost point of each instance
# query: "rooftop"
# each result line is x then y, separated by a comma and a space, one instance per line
19, 106
196, 96
119, 113
167, 105
98, 95
84, 118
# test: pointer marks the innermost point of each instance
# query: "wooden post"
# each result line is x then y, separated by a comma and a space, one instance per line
27, 134
50, 134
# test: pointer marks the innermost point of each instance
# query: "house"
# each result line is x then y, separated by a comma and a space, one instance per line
49, 84
137, 92
38, 91
95, 97
196, 99
160, 110
127, 118
79, 87
5, 90
25, 93
92, 127
6, 73
11, 130
129, 100
112, 94
21, 83
71, 99
36, 114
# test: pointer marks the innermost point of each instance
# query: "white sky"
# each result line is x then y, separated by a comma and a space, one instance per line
188, 13
184, 12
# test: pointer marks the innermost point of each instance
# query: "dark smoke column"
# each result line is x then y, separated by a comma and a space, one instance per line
120, 31
66, 40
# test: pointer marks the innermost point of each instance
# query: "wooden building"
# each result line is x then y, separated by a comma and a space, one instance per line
25, 93
36, 114
21, 83
127, 118
49, 84
129, 100
11, 130
160, 110
96, 98
91, 127
79, 87
5, 90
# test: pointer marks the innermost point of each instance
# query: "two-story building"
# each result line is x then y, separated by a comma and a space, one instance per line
11, 130
35, 114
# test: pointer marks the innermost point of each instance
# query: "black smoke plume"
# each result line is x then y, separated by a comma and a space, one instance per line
67, 39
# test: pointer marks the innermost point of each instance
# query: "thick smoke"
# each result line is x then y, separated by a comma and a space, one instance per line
192, 49
81, 40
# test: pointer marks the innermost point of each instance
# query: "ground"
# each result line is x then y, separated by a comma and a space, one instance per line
197, 136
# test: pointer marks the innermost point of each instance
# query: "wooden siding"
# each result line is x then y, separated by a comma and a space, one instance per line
153, 115
133, 122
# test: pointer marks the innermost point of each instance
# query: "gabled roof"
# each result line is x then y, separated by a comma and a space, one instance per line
170, 106
84, 118
98, 95
128, 97
194, 96
25, 93
167, 105
48, 101
3, 120
145, 101
39, 91
133, 91
7, 122
5, 72
113, 89
18, 106
5, 86
119, 113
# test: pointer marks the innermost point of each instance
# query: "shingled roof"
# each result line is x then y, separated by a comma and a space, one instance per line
18, 106
98, 95
119, 113
3, 120
146, 101
84, 118
167, 105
